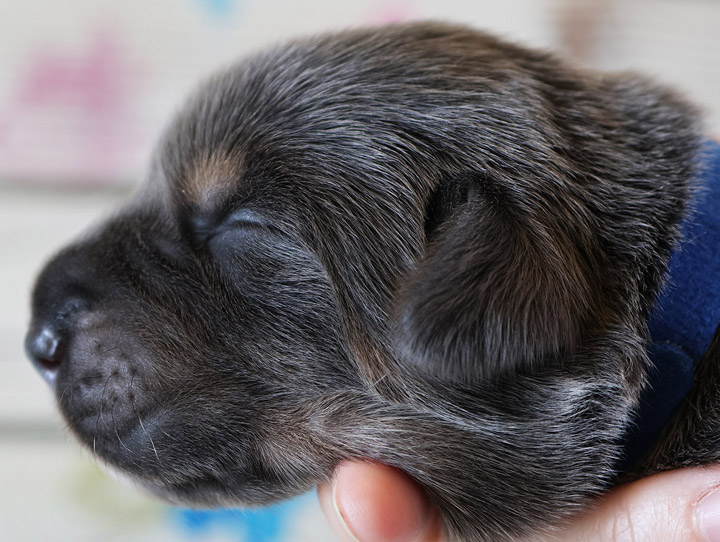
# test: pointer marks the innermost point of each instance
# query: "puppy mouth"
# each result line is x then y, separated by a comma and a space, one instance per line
118, 404
102, 381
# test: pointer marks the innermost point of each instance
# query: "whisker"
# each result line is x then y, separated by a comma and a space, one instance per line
117, 434
157, 456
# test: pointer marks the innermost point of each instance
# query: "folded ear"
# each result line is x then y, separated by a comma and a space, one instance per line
561, 228
496, 290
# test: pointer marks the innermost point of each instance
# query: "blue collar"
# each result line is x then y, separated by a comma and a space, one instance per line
685, 316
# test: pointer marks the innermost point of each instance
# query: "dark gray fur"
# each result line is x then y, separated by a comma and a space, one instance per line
417, 245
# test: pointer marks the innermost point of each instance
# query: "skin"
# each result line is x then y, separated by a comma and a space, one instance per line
361, 505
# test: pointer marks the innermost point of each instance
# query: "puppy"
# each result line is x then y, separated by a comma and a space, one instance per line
417, 245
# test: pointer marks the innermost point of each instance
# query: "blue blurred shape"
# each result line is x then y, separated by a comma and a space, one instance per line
269, 524
219, 8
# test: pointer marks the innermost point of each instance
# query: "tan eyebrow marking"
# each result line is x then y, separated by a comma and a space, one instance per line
211, 179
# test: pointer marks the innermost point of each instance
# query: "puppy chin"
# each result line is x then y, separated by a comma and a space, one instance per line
190, 495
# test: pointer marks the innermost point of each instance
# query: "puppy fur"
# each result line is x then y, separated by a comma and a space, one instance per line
416, 244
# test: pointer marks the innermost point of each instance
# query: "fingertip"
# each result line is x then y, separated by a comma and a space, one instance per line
671, 506
368, 502
707, 515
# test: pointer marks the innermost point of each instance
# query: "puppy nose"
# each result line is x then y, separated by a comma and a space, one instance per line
45, 348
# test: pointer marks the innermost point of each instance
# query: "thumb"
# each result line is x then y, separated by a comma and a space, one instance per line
675, 506
371, 502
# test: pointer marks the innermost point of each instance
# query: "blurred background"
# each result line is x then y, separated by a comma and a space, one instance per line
85, 88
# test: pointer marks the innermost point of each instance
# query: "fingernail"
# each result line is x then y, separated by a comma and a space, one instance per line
341, 517
707, 515
375, 502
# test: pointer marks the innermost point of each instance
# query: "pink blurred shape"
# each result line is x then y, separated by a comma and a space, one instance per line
92, 80
392, 11
72, 114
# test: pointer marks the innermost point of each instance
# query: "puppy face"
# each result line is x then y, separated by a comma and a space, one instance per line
168, 384
417, 245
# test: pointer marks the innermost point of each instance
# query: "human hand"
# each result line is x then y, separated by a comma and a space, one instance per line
368, 502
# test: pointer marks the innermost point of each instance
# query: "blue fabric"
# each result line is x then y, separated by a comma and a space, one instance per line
686, 315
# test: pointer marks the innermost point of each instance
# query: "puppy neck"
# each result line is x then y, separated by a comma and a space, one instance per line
686, 314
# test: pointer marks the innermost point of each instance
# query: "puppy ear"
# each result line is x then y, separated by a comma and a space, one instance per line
561, 229
496, 290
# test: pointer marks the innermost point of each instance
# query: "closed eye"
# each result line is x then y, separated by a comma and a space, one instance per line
245, 217
204, 228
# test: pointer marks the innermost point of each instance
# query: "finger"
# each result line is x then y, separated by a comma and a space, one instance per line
675, 506
367, 502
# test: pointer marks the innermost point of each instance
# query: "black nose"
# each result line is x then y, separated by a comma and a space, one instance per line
45, 348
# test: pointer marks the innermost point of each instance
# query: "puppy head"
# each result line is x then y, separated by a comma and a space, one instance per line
366, 230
